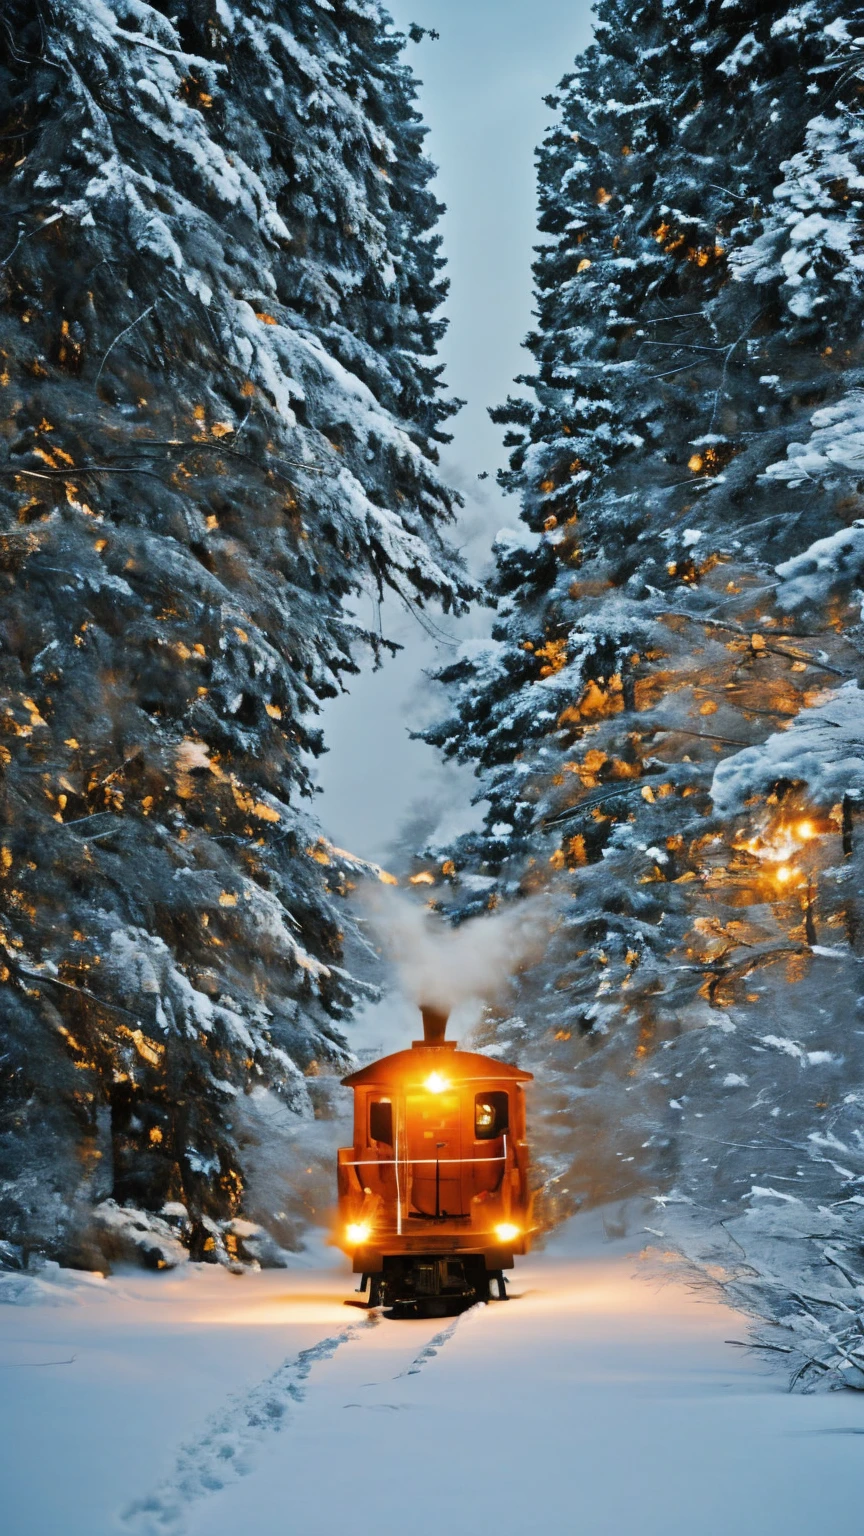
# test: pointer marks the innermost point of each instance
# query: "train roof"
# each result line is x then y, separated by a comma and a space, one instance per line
462, 1066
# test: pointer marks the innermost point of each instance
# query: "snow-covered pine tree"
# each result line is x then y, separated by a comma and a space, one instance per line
684, 586
220, 285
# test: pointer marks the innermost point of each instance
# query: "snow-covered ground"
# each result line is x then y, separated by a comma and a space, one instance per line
601, 1399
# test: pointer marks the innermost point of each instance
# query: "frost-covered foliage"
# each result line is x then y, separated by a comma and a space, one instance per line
797, 1263
812, 240
219, 281
835, 447
685, 587
823, 748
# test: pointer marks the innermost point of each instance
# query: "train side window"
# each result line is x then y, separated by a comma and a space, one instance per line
491, 1115
381, 1121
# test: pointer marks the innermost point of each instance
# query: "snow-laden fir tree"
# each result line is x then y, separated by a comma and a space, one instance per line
220, 283
684, 589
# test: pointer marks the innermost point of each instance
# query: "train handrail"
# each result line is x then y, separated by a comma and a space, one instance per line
392, 1162
400, 1162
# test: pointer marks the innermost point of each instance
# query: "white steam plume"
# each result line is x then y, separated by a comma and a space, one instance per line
445, 966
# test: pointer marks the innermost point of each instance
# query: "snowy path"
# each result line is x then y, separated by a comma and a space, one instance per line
598, 1401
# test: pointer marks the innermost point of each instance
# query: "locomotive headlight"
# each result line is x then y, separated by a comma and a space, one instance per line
435, 1083
506, 1232
357, 1232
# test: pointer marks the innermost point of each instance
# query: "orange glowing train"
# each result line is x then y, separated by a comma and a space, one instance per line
434, 1198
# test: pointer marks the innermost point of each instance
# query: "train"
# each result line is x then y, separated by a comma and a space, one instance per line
434, 1197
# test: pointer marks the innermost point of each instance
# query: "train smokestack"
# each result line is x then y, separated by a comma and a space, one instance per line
434, 1023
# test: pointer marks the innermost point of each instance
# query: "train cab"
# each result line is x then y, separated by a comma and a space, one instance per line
434, 1196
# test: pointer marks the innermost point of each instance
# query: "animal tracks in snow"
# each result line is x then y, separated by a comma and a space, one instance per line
225, 1450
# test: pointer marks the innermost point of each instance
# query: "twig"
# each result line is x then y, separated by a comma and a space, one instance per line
29, 58
77, 470
22, 237
672, 371
690, 314
236, 453
738, 629
719, 1141
821, 1301
730, 349
853, 1279
808, 1361
243, 422
119, 337
689, 346
679, 730
428, 625
33, 1365
22, 971
611, 793
741, 197
23, 133
742, 1250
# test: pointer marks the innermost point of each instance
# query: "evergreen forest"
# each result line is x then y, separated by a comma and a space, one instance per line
221, 290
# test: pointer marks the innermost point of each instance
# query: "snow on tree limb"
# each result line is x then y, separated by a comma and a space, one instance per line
823, 748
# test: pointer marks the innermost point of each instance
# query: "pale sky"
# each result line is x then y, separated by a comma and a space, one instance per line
483, 86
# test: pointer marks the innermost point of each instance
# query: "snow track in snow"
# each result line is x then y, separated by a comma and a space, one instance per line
436, 1343
225, 1450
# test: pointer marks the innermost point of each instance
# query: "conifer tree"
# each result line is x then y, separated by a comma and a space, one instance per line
684, 588
220, 293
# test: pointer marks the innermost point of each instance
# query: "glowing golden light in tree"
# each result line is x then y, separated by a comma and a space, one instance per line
779, 844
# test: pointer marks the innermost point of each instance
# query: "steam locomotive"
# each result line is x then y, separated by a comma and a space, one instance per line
434, 1198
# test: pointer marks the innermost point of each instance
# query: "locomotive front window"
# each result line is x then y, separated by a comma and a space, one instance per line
381, 1121
491, 1115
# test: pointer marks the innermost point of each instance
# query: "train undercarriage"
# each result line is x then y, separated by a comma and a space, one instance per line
431, 1285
